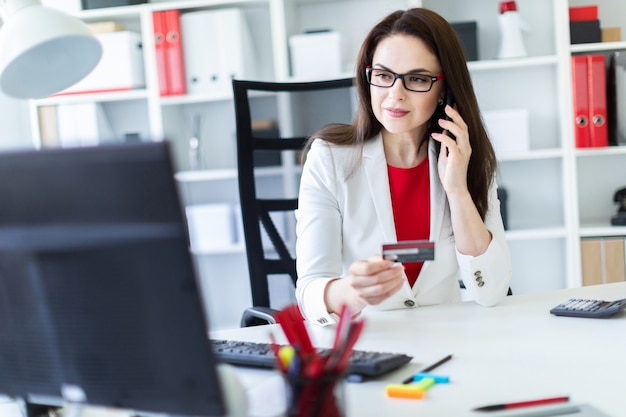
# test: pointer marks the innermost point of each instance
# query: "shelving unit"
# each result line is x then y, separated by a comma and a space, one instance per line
554, 200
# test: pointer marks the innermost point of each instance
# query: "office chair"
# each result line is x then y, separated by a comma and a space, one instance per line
257, 211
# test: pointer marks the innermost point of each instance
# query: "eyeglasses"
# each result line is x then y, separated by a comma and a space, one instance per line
413, 82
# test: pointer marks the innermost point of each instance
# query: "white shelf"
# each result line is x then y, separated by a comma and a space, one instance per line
601, 229
533, 155
226, 250
516, 63
597, 47
129, 95
604, 151
224, 174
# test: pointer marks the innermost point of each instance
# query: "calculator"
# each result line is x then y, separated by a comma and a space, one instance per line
581, 307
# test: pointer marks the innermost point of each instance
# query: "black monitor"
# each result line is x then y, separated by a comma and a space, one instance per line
99, 300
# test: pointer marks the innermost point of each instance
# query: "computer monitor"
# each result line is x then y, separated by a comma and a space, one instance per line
99, 300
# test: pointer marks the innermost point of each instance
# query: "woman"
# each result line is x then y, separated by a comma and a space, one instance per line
396, 173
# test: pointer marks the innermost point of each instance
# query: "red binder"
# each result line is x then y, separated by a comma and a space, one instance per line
174, 53
158, 22
598, 126
581, 101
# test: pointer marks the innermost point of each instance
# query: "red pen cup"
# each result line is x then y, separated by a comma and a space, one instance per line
321, 396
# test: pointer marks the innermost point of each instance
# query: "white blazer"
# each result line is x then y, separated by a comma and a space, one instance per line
346, 216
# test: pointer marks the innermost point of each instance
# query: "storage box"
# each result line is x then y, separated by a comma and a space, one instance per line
508, 130
120, 68
585, 31
579, 13
98, 4
211, 226
468, 35
316, 55
612, 34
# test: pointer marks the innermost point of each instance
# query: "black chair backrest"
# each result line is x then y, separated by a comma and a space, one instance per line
255, 210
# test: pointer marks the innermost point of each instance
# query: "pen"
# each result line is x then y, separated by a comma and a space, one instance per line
520, 404
429, 368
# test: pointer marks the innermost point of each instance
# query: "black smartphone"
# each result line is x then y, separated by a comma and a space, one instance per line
449, 101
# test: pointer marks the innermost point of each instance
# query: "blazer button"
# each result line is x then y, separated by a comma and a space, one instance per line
322, 320
478, 273
480, 283
409, 303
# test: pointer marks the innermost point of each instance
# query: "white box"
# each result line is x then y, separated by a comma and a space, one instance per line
82, 124
508, 130
120, 68
217, 48
211, 226
316, 55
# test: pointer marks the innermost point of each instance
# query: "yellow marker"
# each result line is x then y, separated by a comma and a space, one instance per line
404, 391
286, 354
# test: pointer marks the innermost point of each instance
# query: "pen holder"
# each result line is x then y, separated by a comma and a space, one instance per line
321, 396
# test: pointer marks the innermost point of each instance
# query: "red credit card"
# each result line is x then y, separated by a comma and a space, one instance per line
409, 251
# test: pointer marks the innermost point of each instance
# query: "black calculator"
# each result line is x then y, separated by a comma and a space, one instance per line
581, 307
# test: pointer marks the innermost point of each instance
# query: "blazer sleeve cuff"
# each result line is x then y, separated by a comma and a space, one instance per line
486, 277
312, 303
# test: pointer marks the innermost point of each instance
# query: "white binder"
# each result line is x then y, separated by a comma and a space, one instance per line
217, 47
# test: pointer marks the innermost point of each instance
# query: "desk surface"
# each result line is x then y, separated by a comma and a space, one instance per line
514, 351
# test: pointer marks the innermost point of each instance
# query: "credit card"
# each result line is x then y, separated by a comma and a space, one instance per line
409, 251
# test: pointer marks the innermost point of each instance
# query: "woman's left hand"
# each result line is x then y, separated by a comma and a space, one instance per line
455, 153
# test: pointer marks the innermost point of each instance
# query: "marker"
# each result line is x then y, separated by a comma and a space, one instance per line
521, 404
429, 368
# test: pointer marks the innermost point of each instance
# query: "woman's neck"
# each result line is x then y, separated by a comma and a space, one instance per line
403, 151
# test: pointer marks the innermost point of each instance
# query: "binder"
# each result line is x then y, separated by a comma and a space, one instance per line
158, 22
616, 98
174, 53
219, 47
598, 126
581, 101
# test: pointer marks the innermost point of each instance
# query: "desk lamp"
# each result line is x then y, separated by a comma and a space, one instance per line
43, 50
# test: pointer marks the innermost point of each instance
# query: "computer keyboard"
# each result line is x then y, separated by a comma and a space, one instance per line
260, 355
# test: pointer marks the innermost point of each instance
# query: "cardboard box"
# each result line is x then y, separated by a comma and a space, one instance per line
508, 130
612, 34
316, 55
120, 68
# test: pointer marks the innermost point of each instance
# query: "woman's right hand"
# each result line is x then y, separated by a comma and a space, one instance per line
370, 282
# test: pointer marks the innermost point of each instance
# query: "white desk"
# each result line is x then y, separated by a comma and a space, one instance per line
512, 352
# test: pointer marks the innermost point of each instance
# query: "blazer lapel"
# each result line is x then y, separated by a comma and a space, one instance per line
437, 198
375, 168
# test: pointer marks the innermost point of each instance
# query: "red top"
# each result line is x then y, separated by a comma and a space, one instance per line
410, 200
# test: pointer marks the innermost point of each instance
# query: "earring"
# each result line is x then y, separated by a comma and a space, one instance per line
440, 102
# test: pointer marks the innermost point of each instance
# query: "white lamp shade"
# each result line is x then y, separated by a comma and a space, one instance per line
44, 51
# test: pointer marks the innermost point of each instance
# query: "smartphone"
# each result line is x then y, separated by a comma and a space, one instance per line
449, 101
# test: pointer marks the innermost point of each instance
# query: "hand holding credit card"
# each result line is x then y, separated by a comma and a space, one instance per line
409, 251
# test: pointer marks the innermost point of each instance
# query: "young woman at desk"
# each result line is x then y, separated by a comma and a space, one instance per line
395, 175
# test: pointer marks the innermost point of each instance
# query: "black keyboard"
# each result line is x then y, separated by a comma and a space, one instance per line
261, 355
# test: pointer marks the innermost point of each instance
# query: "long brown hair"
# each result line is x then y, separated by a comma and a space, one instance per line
443, 42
